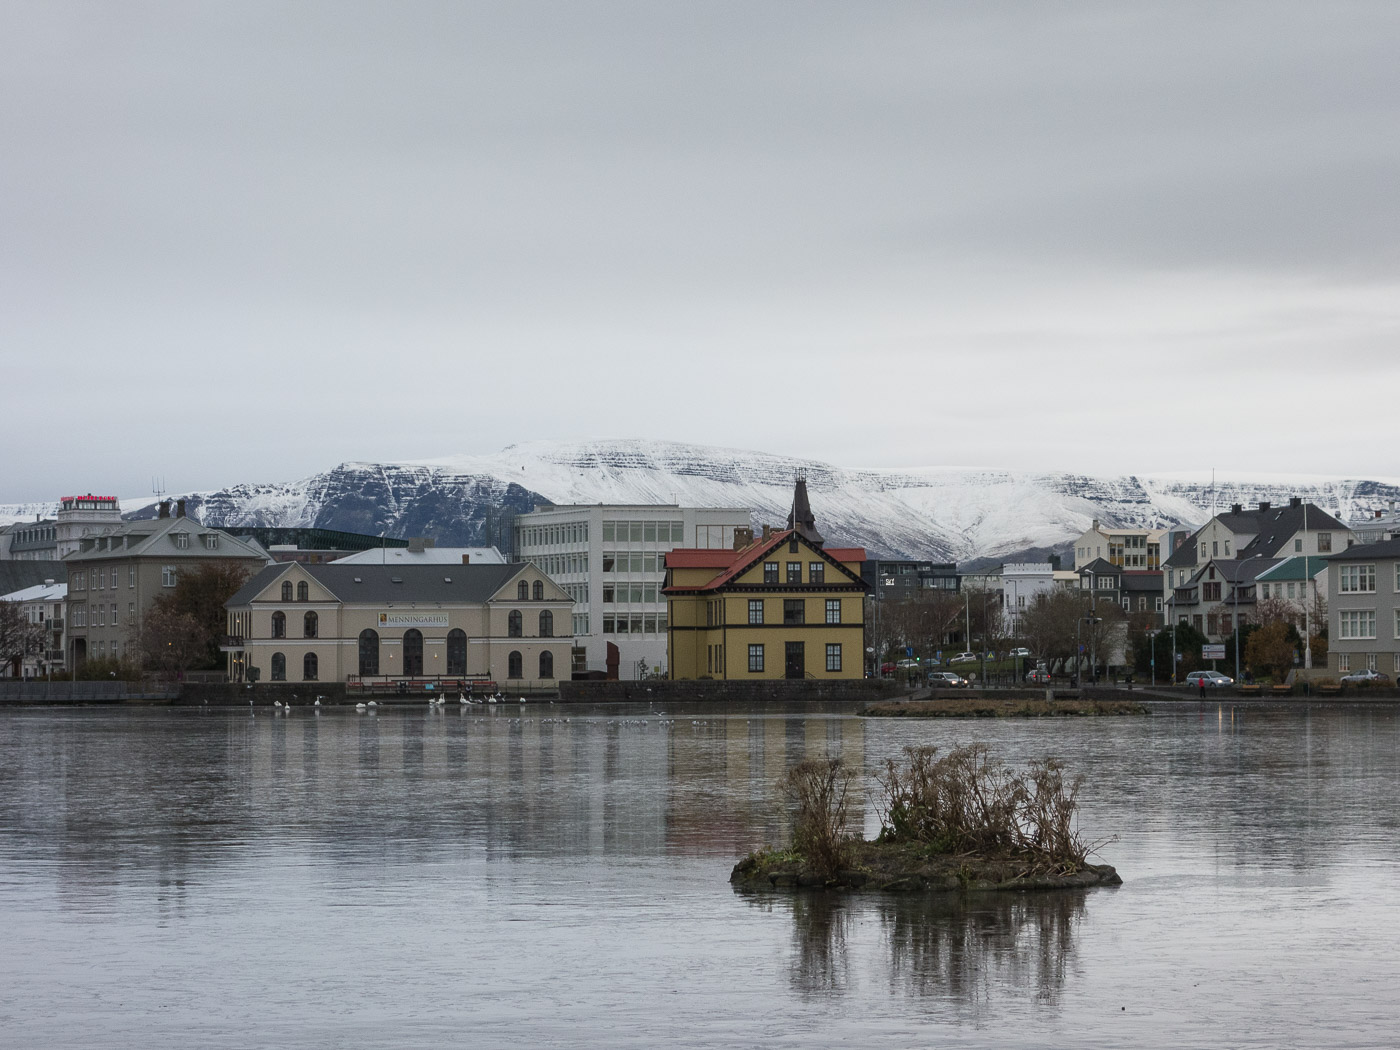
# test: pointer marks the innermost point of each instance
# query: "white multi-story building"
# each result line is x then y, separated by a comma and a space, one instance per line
612, 561
42, 606
85, 517
1020, 583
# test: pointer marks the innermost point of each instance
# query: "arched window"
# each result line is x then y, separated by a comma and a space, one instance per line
546, 664
522, 591
308, 667
546, 624
539, 590
515, 625
514, 664
279, 667
369, 652
286, 590
303, 591
279, 623
308, 625
456, 651
413, 651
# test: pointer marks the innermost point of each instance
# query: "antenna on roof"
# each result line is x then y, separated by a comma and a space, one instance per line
158, 486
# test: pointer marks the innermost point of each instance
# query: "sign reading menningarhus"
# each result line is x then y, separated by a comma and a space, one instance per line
413, 619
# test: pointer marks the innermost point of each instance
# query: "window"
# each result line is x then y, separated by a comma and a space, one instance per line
1159, 604
1291, 590
101, 580
80, 616
515, 624
1358, 623
182, 540
279, 624
308, 667
131, 575
167, 575
115, 620
279, 667
456, 651
833, 657
546, 624
515, 665
1358, 579
1343, 661
286, 590
608, 625
309, 625
211, 541
816, 572
522, 591
413, 651
303, 591
1210, 592
794, 572
539, 590
369, 652
1297, 546
1214, 548
1203, 549
1324, 543
755, 610
770, 572
794, 611
1227, 548
546, 664
833, 610
1370, 661
755, 659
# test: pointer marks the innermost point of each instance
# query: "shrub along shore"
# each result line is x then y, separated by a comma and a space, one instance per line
958, 822
1000, 707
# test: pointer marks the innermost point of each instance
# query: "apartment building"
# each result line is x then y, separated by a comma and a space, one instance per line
1121, 548
1363, 584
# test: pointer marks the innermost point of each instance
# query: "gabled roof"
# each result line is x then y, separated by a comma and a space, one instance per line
150, 538
1276, 526
1100, 567
1383, 549
380, 584
734, 563
1295, 568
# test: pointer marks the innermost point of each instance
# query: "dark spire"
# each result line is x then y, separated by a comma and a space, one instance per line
800, 517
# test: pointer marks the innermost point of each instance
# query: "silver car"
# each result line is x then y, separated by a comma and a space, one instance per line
1212, 679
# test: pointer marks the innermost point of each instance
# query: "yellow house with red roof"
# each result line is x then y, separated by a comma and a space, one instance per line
782, 606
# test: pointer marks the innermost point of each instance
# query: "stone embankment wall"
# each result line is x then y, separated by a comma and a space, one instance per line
798, 690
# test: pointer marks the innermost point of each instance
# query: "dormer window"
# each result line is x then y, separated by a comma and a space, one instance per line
211, 541
182, 540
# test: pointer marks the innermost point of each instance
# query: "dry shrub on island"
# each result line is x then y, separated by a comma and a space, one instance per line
964, 803
818, 789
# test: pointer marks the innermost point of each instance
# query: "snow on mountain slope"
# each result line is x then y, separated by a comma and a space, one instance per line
952, 514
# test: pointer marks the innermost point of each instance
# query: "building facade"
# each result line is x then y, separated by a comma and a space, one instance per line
895, 579
113, 578
610, 559
42, 607
507, 624
1121, 548
783, 606
1363, 585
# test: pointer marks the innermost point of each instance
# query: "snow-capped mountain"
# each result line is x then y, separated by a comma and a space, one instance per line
943, 513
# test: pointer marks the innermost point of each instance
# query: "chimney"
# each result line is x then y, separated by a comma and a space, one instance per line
1095, 526
164, 508
742, 538
415, 544
1378, 514
1264, 505
1295, 501
466, 559
1236, 508
48, 583
767, 533
179, 508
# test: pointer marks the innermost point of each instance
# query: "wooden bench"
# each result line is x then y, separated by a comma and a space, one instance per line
1329, 690
1065, 694
1281, 690
1249, 690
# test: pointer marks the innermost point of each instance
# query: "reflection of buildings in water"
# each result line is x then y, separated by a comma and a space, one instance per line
967, 950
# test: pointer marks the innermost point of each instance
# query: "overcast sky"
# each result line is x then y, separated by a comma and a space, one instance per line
246, 242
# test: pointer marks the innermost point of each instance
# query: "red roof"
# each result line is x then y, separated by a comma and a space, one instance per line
735, 562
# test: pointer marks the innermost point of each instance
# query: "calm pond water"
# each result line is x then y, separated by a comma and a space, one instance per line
548, 876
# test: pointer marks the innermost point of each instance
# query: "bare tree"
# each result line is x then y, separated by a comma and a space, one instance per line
170, 642
18, 637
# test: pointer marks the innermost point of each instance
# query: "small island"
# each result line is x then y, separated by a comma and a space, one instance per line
1001, 707
959, 822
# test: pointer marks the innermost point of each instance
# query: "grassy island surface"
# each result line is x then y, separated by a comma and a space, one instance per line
959, 822
1000, 707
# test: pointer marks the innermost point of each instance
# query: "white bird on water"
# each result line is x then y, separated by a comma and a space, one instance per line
362, 708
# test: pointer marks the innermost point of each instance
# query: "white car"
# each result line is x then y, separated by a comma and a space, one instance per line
1212, 679
1366, 677
964, 658
1020, 652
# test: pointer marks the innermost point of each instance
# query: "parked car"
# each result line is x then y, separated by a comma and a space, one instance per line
1026, 653
1040, 675
946, 679
964, 658
1212, 679
1366, 677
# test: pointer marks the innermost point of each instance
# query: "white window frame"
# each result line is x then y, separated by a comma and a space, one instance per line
1344, 662
1358, 578
168, 575
1354, 624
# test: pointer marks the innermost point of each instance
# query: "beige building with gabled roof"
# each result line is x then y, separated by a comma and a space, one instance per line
509, 625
